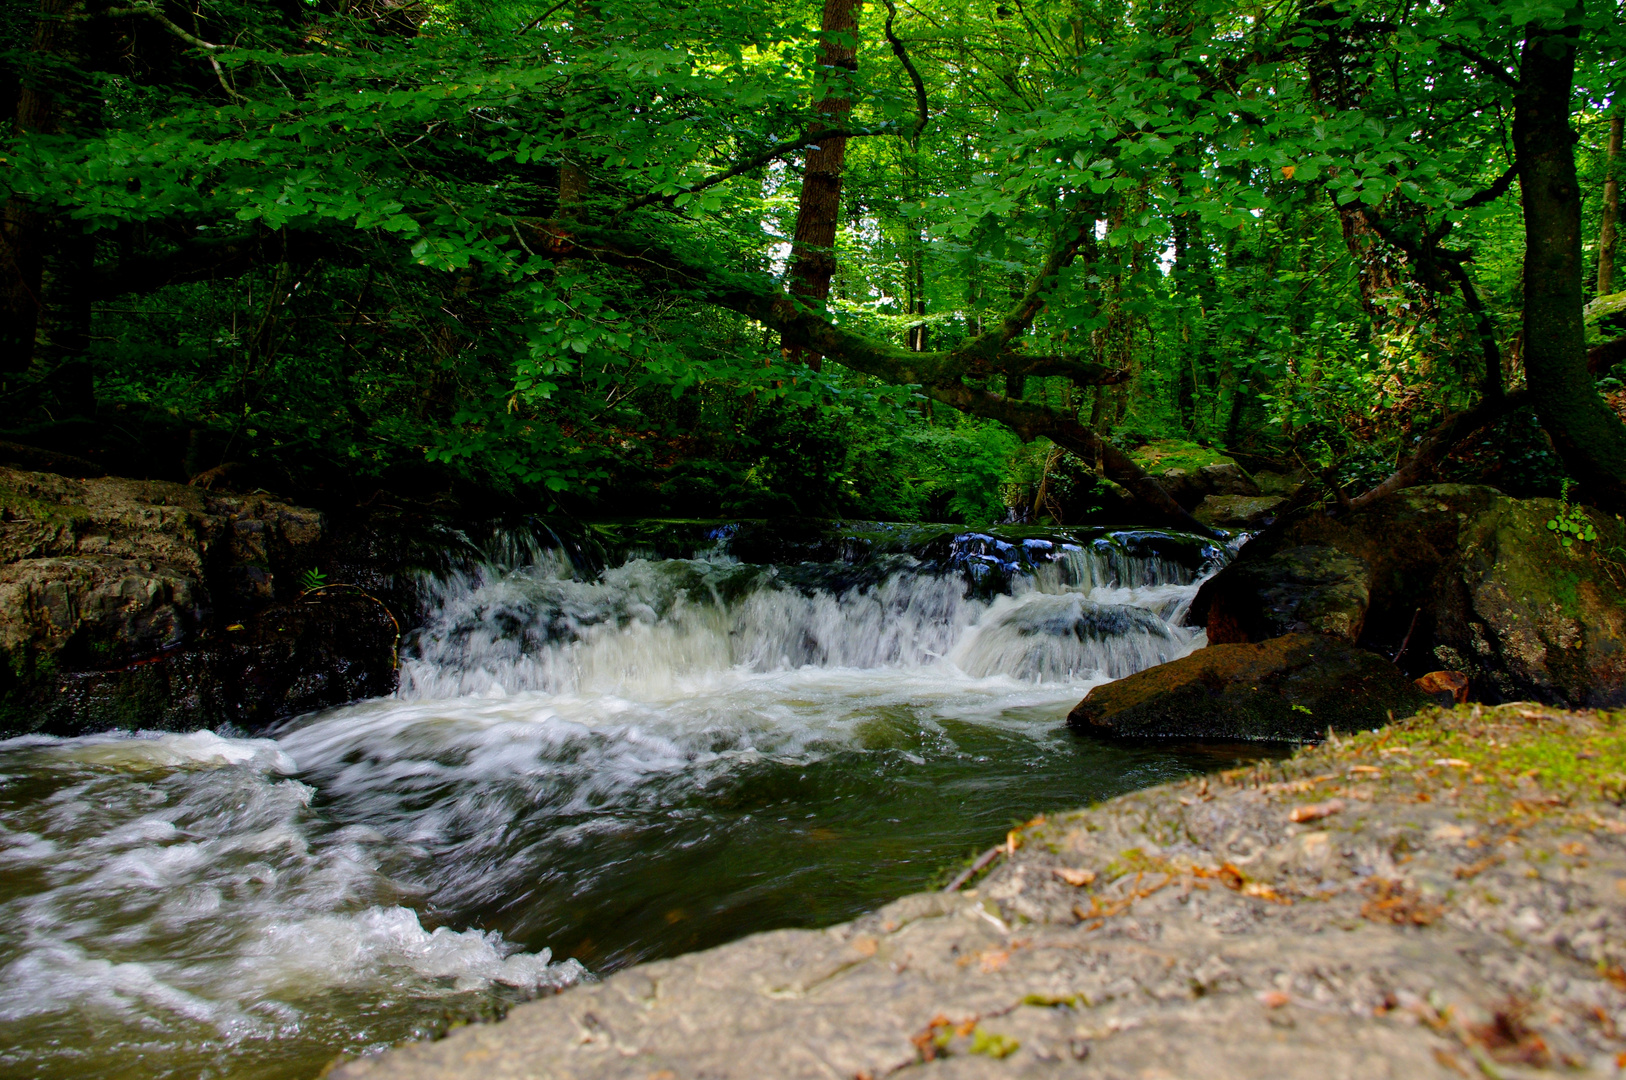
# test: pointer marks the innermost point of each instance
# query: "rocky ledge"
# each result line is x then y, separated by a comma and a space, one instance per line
143, 603
1442, 899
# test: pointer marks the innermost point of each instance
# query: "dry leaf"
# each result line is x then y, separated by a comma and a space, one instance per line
1273, 999
1316, 811
1076, 878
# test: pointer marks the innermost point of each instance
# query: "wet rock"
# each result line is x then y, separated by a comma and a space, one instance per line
1464, 577
1292, 687
1313, 587
1238, 511
287, 659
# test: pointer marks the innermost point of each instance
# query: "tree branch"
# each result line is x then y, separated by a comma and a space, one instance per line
756, 161
209, 49
902, 54
938, 375
1482, 327
1439, 442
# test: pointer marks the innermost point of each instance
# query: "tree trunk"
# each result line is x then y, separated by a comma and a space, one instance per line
1611, 211
1589, 438
813, 257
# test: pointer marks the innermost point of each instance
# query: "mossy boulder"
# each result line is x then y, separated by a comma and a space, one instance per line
1190, 472
1461, 577
1606, 316
1238, 511
1289, 688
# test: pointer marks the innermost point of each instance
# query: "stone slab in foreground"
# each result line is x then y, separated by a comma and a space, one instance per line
1444, 899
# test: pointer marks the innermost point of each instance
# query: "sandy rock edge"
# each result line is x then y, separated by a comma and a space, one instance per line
1444, 898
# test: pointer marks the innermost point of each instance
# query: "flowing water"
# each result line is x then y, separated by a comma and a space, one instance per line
582, 769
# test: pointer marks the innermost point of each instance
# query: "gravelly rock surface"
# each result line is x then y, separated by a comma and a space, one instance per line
1446, 898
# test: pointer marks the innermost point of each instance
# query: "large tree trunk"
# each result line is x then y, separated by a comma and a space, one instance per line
813, 256
1611, 210
1590, 439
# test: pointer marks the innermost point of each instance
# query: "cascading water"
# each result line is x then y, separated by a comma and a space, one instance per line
615, 765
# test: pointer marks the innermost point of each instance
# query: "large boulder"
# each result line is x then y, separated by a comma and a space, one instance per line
1457, 576
1290, 688
111, 587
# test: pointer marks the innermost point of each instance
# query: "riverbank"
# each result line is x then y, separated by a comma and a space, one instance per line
1444, 898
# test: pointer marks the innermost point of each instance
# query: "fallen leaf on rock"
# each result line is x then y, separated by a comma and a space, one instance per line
1573, 848
1260, 891
1372, 770
1076, 878
1472, 870
1453, 762
1316, 811
865, 946
1273, 999
1395, 902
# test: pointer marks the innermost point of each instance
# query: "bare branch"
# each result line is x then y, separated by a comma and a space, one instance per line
1439, 443
938, 375
151, 11
902, 54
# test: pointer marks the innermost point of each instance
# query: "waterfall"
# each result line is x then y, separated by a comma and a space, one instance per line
532, 620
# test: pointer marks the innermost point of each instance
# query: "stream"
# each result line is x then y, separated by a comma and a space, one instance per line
586, 766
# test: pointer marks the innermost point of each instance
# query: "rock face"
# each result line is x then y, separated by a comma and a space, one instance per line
146, 603
1354, 913
1464, 577
1290, 688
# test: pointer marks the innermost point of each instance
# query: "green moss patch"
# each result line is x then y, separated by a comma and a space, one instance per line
1161, 455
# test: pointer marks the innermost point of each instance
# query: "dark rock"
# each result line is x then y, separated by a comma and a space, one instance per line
290, 658
1290, 688
1464, 577
1238, 511
1314, 587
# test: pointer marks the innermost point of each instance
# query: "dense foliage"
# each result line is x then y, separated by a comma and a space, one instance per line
360, 247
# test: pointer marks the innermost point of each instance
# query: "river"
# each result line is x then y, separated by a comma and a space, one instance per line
585, 766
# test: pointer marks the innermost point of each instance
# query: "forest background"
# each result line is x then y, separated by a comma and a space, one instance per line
942, 260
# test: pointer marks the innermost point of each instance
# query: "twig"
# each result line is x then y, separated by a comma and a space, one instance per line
152, 12
395, 649
1407, 639
977, 864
